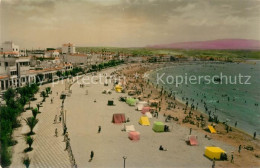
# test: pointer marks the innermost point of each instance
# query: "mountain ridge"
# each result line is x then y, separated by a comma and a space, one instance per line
224, 44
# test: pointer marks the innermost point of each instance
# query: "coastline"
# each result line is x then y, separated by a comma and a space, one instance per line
235, 138
200, 109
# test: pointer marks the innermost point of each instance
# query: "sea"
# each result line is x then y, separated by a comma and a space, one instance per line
229, 90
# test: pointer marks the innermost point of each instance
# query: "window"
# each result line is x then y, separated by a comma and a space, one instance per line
13, 73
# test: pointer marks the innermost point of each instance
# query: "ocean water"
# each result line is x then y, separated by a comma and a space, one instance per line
231, 100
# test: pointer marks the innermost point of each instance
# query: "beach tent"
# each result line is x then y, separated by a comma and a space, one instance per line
118, 118
192, 139
141, 104
144, 121
212, 130
149, 115
145, 109
158, 126
214, 152
129, 128
131, 101
118, 88
134, 135
110, 102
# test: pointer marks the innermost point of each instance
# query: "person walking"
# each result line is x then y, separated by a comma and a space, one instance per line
236, 124
60, 118
56, 132
239, 148
55, 119
91, 155
254, 135
99, 129
190, 130
232, 158
213, 163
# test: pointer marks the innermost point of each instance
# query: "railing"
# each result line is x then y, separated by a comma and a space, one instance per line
67, 140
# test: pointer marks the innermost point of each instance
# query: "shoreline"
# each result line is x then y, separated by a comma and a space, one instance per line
182, 102
234, 138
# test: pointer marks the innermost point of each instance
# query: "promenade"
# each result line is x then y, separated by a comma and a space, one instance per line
48, 150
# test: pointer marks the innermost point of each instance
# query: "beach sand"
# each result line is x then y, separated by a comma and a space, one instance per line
84, 116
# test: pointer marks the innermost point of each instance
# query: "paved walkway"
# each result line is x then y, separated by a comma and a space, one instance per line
48, 150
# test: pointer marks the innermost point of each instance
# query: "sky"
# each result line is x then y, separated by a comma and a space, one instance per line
126, 23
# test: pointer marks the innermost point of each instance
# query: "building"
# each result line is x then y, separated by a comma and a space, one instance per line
52, 54
38, 53
17, 72
13, 72
68, 49
9, 49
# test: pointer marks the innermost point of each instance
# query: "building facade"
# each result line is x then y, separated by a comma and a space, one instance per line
68, 48
8, 48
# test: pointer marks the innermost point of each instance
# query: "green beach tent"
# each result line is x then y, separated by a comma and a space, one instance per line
131, 101
158, 126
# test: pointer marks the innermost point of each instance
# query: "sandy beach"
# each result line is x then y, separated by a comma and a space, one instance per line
84, 116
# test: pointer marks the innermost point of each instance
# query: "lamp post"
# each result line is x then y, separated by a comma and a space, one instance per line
124, 157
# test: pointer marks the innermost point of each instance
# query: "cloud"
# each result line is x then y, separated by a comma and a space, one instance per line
126, 22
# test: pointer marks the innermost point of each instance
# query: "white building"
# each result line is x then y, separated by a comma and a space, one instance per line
17, 72
8, 48
13, 72
68, 49
52, 54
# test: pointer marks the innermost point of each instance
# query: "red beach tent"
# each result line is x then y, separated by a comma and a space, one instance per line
118, 118
193, 140
145, 109
134, 135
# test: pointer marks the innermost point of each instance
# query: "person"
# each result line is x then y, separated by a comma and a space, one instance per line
95, 101
67, 145
64, 130
56, 132
55, 119
232, 158
60, 118
239, 148
254, 135
91, 155
161, 148
190, 130
236, 124
99, 129
213, 163
51, 100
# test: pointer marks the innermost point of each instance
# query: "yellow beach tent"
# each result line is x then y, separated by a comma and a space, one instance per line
118, 88
212, 130
144, 121
214, 152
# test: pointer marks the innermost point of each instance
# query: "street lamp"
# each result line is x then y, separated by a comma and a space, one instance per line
124, 157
